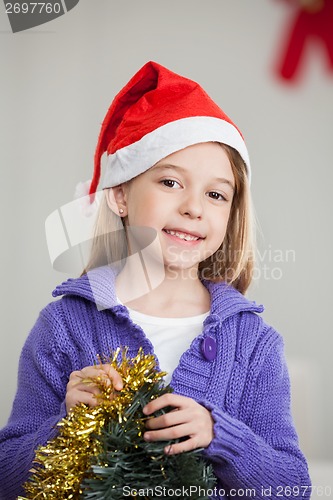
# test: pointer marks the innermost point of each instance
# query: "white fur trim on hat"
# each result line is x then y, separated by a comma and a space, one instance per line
138, 157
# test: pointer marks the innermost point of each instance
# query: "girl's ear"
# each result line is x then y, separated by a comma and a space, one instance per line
116, 199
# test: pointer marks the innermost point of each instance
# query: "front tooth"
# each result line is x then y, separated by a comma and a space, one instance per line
182, 236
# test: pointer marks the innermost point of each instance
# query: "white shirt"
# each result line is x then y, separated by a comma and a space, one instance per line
169, 336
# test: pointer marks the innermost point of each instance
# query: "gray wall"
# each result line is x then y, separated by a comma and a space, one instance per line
57, 82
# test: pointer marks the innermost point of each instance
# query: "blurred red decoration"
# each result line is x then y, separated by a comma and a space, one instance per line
312, 21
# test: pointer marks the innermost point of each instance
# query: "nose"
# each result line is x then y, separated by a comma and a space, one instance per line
191, 206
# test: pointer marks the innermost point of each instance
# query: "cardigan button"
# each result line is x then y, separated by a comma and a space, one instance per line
208, 348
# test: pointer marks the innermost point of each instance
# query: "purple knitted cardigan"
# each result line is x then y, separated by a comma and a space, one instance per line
246, 387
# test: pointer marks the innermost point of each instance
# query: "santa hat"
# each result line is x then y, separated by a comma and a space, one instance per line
158, 113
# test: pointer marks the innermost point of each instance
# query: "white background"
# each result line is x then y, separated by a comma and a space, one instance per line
58, 80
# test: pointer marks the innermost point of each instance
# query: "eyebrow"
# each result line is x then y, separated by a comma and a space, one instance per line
222, 180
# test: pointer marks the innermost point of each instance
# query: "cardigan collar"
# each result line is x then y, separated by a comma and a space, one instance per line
98, 286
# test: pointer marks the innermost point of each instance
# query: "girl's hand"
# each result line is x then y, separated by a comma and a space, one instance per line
189, 418
79, 391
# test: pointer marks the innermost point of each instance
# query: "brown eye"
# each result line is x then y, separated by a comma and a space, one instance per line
169, 183
216, 196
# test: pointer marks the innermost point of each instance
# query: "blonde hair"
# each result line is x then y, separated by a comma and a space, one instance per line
233, 262
109, 242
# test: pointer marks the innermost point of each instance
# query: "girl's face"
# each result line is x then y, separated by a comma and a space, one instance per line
186, 198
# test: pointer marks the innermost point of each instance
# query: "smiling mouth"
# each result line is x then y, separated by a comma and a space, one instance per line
183, 236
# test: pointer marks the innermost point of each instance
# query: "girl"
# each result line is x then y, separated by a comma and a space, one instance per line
171, 260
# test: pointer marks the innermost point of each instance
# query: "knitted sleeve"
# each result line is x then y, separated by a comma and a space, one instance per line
258, 455
38, 405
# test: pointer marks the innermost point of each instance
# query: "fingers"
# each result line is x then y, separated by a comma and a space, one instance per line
196, 438
114, 376
188, 445
168, 399
189, 420
168, 433
85, 377
76, 397
106, 372
170, 419
82, 388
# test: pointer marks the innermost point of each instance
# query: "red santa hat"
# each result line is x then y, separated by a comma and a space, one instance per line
158, 113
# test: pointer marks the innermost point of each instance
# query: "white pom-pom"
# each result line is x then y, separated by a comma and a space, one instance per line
82, 196
82, 189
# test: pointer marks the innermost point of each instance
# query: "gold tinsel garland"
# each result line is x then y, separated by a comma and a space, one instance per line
62, 463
